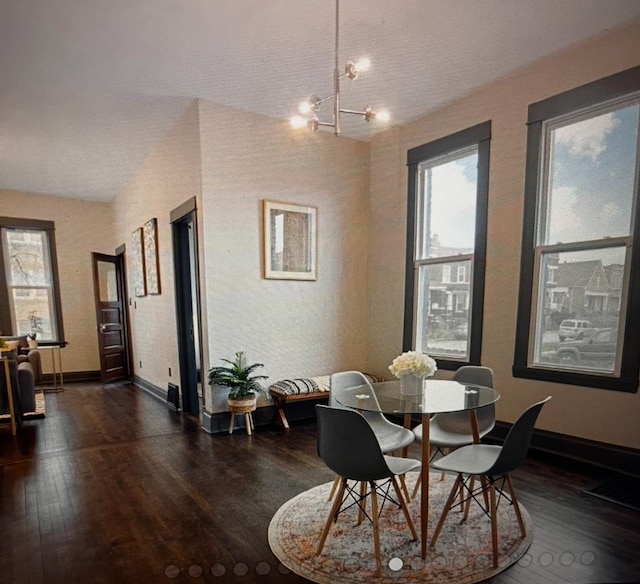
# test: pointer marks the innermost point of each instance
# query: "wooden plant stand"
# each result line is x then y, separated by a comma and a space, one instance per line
242, 406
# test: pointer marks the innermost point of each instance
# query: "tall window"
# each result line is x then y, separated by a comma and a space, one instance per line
446, 242
29, 297
576, 321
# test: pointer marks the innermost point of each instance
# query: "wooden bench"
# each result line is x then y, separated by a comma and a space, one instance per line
301, 389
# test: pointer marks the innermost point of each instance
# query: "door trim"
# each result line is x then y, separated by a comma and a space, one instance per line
187, 297
121, 305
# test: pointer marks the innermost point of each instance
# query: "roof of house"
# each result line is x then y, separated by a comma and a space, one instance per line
577, 274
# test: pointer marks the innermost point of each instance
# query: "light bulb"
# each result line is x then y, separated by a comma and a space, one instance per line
298, 122
305, 107
383, 116
362, 65
310, 105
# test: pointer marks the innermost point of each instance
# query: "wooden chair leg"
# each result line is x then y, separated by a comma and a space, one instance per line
336, 482
447, 506
419, 481
485, 491
247, 422
516, 507
485, 494
417, 486
472, 481
376, 526
334, 509
405, 509
494, 523
363, 502
444, 452
405, 490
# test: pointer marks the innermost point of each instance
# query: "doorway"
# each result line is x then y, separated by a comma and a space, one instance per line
186, 274
111, 316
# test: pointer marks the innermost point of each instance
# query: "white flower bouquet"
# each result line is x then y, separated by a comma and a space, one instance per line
413, 363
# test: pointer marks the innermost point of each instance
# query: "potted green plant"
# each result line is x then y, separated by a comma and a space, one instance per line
243, 384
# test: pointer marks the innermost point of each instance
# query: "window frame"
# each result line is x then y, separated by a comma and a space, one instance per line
478, 136
570, 103
5, 315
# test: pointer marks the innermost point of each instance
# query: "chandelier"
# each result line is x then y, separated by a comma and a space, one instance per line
310, 107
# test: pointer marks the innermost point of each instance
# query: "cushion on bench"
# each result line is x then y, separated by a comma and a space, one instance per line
302, 388
301, 385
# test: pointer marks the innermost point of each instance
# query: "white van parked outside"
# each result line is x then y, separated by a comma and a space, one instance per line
574, 329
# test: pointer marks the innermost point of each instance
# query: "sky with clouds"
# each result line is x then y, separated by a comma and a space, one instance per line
592, 177
453, 202
591, 185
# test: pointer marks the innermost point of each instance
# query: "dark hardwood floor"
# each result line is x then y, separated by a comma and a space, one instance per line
113, 487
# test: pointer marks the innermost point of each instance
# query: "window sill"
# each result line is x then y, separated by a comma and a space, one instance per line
628, 385
450, 364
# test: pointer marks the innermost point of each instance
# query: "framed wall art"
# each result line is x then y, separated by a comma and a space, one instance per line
137, 263
151, 258
290, 241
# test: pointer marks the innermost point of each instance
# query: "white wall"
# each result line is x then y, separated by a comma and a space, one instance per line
296, 328
169, 176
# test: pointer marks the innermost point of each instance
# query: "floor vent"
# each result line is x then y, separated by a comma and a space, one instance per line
173, 397
622, 490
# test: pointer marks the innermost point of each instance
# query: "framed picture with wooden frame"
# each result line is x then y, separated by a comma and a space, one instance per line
290, 241
137, 263
151, 258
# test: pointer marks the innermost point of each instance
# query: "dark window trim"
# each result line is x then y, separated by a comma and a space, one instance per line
480, 136
181, 210
50, 228
590, 94
593, 93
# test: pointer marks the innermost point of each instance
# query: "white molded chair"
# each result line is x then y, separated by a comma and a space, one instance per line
492, 464
452, 430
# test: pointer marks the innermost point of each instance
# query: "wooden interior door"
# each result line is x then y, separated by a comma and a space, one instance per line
108, 286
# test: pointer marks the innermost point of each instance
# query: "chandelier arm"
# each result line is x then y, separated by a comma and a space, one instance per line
312, 104
325, 99
356, 112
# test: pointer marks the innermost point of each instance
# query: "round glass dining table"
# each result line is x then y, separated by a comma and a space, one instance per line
437, 396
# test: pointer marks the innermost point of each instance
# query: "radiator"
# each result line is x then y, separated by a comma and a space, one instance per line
173, 397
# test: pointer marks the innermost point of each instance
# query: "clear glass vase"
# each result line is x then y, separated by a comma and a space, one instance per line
411, 384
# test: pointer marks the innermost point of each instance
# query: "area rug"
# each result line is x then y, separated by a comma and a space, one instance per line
39, 412
462, 554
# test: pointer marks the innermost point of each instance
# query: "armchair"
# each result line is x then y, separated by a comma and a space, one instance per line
22, 385
26, 355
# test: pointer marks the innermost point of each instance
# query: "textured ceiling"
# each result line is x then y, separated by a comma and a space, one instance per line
88, 87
